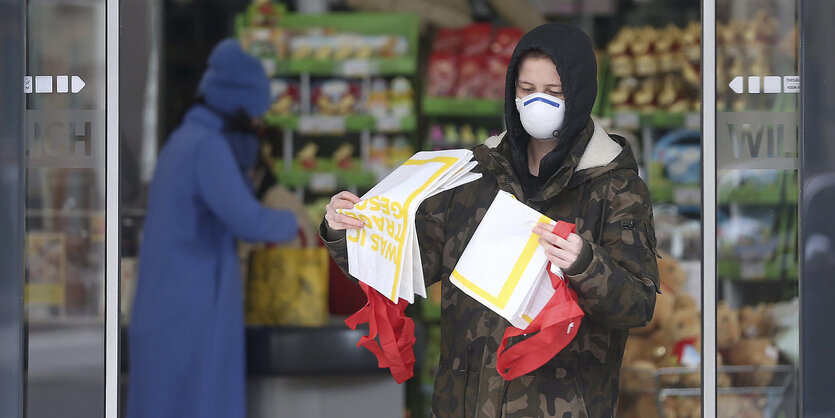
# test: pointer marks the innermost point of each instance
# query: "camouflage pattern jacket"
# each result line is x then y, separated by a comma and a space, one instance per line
599, 190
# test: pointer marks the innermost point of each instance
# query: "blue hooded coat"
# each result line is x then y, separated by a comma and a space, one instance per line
187, 325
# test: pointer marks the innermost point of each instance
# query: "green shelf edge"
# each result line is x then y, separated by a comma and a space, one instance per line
450, 106
297, 176
729, 270
376, 66
656, 119
758, 195
353, 123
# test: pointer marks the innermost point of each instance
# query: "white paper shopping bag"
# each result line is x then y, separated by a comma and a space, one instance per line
503, 262
539, 296
385, 254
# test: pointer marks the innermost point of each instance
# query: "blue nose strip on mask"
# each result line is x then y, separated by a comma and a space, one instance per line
543, 100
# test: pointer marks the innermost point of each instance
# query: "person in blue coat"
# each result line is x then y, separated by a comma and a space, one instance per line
187, 326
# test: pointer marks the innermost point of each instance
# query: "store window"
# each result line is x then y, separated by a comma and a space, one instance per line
757, 127
354, 92
65, 208
756, 328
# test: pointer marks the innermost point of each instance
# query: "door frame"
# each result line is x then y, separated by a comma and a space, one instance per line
112, 213
12, 207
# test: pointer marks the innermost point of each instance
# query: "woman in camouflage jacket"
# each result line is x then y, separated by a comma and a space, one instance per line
584, 176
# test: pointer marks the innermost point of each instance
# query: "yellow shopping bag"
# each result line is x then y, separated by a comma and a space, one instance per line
287, 286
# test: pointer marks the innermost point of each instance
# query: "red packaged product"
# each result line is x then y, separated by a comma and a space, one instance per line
476, 39
443, 74
471, 77
505, 41
447, 40
495, 67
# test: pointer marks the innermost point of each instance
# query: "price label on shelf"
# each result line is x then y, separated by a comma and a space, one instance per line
322, 124
693, 121
389, 124
358, 68
323, 182
628, 120
691, 196
752, 269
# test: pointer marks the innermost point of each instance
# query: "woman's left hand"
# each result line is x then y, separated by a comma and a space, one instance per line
560, 251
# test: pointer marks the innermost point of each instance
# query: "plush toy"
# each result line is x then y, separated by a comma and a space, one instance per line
639, 377
755, 322
652, 348
723, 379
757, 352
682, 335
672, 278
672, 275
643, 355
685, 301
728, 331
741, 406
686, 407
639, 406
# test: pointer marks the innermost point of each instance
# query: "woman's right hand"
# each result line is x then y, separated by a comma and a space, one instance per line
338, 221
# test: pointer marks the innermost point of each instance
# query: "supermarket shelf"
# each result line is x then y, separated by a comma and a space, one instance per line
663, 191
450, 106
324, 176
765, 271
636, 120
753, 195
783, 374
331, 350
322, 125
402, 24
356, 67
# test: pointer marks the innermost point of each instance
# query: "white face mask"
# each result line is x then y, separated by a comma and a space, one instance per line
541, 114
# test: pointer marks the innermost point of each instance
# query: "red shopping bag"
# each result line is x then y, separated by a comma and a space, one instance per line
554, 327
396, 332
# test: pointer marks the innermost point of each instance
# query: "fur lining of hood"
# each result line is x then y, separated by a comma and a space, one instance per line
600, 151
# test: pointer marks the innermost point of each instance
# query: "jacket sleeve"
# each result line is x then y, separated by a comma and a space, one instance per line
429, 223
430, 232
618, 288
221, 185
337, 246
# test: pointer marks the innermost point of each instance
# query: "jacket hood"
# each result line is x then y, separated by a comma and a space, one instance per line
235, 80
573, 55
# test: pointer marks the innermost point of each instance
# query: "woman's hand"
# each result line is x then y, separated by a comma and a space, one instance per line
338, 221
560, 252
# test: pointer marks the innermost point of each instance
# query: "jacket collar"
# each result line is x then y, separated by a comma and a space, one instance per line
600, 151
588, 159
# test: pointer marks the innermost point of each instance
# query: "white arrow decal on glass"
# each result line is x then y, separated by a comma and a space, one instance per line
44, 84
77, 84
736, 84
767, 84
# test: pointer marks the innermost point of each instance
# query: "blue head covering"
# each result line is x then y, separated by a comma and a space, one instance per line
235, 80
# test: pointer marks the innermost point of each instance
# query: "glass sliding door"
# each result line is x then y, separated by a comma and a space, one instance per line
817, 200
70, 172
755, 322
11, 208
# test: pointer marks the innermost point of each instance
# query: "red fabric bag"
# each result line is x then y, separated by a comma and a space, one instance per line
554, 327
387, 320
